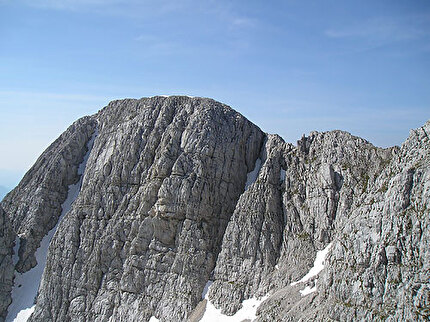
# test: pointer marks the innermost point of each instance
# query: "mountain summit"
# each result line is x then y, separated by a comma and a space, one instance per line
180, 209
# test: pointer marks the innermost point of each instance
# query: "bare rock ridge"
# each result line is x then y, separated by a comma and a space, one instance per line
7, 237
35, 204
143, 236
178, 191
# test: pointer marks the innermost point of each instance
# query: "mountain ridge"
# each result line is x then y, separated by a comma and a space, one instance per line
165, 206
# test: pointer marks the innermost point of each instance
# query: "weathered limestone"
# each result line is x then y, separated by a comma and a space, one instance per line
378, 266
7, 238
145, 231
34, 206
181, 190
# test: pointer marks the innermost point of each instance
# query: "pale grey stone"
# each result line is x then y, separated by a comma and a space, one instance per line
163, 209
34, 206
7, 238
161, 183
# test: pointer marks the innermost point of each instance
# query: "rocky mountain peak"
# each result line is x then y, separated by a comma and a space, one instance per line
175, 197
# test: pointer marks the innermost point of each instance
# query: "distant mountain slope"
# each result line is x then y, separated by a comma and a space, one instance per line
187, 210
3, 191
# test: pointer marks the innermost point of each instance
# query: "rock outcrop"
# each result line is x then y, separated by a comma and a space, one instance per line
34, 206
161, 183
378, 266
180, 190
301, 194
7, 239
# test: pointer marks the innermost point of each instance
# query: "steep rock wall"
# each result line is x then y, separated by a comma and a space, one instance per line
301, 194
165, 206
34, 205
378, 265
32, 209
143, 236
7, 238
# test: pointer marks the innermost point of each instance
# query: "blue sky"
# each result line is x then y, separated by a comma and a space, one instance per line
289, 66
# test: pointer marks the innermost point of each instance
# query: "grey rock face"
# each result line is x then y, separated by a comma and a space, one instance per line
251, 243
165, 205
161, 183
7, 238
378, 266
34, 205
283, 219
384, 247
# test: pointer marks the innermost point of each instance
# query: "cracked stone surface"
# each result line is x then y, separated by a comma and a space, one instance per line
34, 206
165, 206
7, 238
144, 233
378, 267
280, 223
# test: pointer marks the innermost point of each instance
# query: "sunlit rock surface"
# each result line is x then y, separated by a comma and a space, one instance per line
178, 191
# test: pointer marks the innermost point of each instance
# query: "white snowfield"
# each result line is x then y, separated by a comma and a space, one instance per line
314, 271
26, 285
23, 315
307, 290
212, 314
250, 306
282, 175
252, 176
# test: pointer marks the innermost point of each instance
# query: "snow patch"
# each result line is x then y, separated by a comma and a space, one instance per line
153, 319
318, 265
307, 290
248, 310
282, 175
206, 289
26, 285
23, 315
252, 176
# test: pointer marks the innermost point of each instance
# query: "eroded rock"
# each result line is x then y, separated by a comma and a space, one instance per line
178, 190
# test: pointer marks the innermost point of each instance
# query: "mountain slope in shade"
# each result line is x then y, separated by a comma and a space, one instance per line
179, 191
3, 192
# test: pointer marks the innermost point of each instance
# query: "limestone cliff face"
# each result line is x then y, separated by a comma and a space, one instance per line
7, 238
292, 210
181, 190
378, 265
35, 204
161, 183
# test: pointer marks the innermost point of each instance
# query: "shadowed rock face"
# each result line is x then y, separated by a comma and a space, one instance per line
164, 207
34, 206
7, 238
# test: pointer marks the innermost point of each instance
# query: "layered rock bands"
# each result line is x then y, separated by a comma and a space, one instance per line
178, 191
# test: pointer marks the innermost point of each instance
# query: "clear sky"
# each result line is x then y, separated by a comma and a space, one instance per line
289, 66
